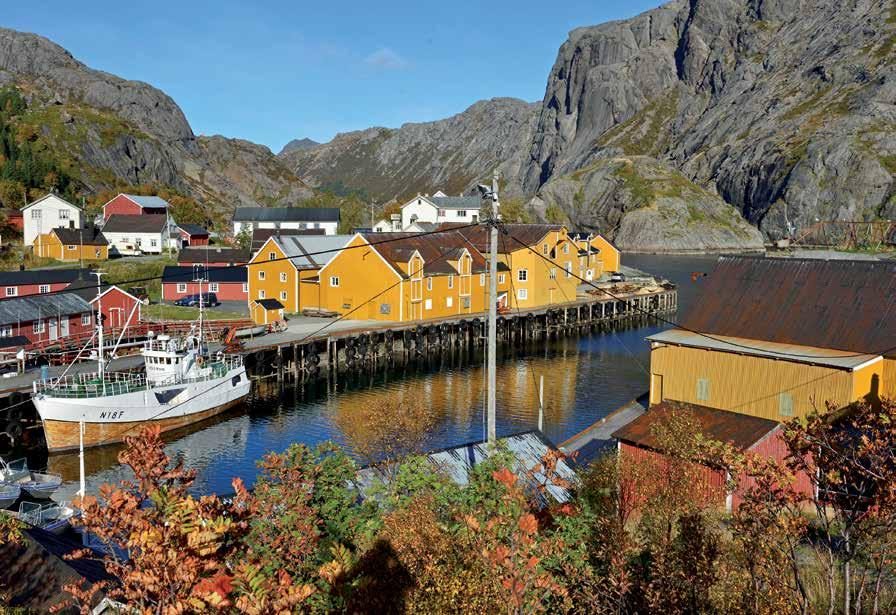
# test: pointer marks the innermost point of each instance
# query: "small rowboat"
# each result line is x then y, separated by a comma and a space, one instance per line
50, 516
38, 485
9, 493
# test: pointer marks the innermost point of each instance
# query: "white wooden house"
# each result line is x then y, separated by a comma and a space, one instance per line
47, 213
141, 234
298, 218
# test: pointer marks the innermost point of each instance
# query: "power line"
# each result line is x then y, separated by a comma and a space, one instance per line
706, 335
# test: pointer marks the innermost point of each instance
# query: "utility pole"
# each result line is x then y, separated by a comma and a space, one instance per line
493, 309
372, 207
101, 355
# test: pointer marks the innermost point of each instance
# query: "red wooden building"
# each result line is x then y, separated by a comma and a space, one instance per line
638, 444
193, 235
213, 256
38, 281
228, 283
14, 218
120, 309
43, 319
135, 205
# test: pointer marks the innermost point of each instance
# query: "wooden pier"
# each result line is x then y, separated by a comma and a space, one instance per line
376, 346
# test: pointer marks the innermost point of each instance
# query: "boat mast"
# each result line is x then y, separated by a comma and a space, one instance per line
101, 356
199, 276
492, 309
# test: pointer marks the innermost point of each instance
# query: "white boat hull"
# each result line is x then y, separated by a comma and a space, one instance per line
109, 419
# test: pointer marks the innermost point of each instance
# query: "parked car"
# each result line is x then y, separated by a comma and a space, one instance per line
617, 277
208, 300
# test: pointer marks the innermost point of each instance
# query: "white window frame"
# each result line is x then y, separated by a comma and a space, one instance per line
182, 287
522, 275
85, 320
703, 389
429, 283
43, 289
6, 331
35, 214
213, 287
566, 248
245, 287
261, 274
568, 269
427, 304
71, 248
261, 294
272, 256
153, 243
481, 279
501, 278
283, 276
544, 249
522, 294
553, 273
334, 281
12, 291
38, 326
461, 213
449, 301
65, 214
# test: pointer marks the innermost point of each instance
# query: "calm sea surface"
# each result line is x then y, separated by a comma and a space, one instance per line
585, 378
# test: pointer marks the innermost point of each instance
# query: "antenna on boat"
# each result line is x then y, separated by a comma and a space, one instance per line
199, 277
101, 355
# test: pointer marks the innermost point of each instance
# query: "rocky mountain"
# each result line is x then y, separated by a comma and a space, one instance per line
109, 131
781, 109
450, 154
298, 145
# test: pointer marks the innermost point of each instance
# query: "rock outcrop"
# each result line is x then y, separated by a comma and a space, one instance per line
298, 145
451, 154
113, 131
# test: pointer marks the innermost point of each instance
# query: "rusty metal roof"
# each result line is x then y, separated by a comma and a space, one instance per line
436, 250
740, 430
528, 234
841, 304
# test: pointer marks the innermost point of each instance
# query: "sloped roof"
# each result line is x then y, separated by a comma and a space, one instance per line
147, 202
269, 304
261, 235
528, 234
740, 430
90, 236
840, 304
456, 202
34, 307
48, 195
213, 254
219, 275
286, 214
42, 276
436, 250
119, 223
311, 251
192, 229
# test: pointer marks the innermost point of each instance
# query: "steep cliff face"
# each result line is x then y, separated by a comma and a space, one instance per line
785, 108
450, 154
110, 131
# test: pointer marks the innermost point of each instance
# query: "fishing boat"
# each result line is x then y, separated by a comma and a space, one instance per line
9, 493
50, 517
39, 485
181, 383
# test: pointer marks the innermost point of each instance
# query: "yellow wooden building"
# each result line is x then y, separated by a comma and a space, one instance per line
405, 277
597, 255
282, 266
779, 338
541, 262
265, 311
66, 244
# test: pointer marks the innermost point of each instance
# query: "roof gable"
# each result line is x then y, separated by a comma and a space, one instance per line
146, 202
436, 250
120, 223
48, 196
843, 304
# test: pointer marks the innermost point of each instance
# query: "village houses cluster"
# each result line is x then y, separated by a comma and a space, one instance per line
296, 262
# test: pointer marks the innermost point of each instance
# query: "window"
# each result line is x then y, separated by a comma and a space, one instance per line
282, 276
6, 331
138, 241
261, 294
245, 287
481, 279
385, 308
85, 320
182, 288
64, 214
522, 275
703, 389
153, 243
427, 304
553, 273
261, 275
461, 213
522, 294
428, 283
35, 214
302, 225
125, 239
785, 404
97, 252
450, 281
12, 291
272, 256
544, 248
213, 287
441, 213
501, 278
43, 289
334, 281
72, 248
449, 301
466, 302
38, 327
569, 270
283, 295
566, 248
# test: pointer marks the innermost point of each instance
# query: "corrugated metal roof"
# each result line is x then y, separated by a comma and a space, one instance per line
740, 430
311, 251
436, 250
843, 304
148, 202
528, 234
286, 214
34, 307
527, 450
758, 348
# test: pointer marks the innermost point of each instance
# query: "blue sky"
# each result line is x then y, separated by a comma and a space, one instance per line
270, 71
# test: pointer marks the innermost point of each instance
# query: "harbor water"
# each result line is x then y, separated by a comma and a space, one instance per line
585, 378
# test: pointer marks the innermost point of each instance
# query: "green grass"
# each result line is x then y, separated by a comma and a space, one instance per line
642, 134
122, 271
173, 312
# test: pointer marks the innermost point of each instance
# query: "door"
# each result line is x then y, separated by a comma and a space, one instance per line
63, 327
54, 329
116, 319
